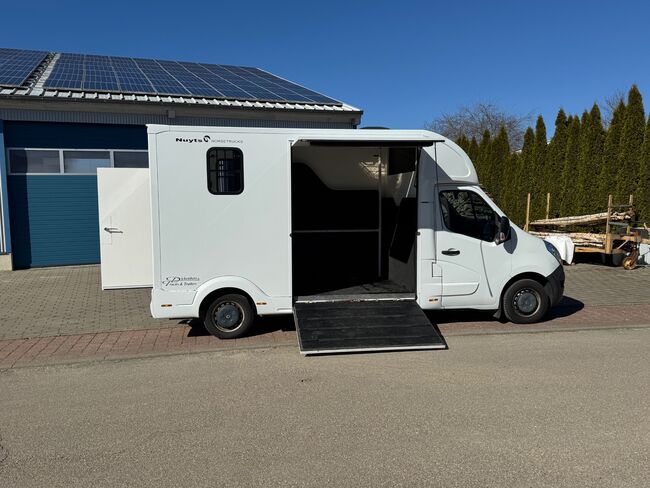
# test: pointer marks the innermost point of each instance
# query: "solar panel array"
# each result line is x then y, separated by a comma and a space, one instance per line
150, 76
17, 64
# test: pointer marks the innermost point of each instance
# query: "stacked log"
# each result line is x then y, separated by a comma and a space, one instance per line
591, 219
580, 239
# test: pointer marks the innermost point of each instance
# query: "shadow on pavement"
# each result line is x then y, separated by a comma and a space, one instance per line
568, 306
263, 325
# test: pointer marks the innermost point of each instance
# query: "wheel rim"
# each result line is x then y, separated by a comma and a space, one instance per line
228, 316
527, 302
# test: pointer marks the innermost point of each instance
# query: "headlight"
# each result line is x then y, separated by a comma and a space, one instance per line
552, 249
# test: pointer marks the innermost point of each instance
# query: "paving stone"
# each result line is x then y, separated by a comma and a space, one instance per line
40, 304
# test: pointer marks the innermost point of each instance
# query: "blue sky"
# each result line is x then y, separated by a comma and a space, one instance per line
402, 62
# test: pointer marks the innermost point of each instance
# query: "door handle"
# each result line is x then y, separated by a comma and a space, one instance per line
451, 252
113, 230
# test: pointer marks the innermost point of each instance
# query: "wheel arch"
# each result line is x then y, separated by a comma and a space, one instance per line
207, 299
530, 275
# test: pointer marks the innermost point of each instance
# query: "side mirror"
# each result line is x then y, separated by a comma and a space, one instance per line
503, 232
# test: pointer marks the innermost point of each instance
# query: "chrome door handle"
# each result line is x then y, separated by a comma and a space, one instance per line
451, 252
113, 230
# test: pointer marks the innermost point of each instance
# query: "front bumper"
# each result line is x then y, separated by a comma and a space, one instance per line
555, 285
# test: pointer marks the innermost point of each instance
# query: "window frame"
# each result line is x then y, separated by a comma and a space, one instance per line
62, 172
208, 171
483, 197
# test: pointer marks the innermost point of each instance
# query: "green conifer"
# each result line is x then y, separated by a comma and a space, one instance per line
523, 175
500, 159
472, 150
539, 186
567, 202
630, 146
555, 162
513, 205
643, 187
591, 156
463, 142
484, 160
607, 178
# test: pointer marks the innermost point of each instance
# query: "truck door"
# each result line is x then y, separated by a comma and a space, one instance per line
467, 221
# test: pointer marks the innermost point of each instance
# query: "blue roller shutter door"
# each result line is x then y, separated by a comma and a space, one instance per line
54, 220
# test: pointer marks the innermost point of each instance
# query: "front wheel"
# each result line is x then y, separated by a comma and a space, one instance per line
229, 316
525, 302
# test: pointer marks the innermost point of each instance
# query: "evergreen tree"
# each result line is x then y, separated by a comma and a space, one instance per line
630, 147
500, 159
555, 160
463, 142
643, 188
483, 161
523, 177
539, 186
607, 178
509, 203
472, 150
567, 203
591, 156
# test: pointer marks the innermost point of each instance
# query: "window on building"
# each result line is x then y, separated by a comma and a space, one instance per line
85, 162
25, 161
465, 212
131, 159
225, 171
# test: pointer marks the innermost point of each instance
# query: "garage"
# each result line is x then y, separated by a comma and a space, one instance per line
63, 116
52, 187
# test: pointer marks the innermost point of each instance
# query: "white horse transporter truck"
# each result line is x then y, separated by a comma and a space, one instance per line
354, 232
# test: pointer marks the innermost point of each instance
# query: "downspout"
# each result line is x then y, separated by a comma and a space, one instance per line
5, 232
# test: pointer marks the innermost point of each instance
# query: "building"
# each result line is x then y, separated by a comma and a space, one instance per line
64, 115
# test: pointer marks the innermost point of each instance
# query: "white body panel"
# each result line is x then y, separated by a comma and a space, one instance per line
204, 242
125, 227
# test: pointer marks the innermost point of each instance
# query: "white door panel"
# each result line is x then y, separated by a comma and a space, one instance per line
125, 227
462, 265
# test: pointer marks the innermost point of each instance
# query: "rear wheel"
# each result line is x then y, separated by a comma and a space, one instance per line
525, 302
229, 316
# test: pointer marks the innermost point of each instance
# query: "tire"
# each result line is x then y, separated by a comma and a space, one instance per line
525, 302
229, 316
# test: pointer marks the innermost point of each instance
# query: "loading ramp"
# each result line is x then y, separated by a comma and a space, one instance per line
343, 326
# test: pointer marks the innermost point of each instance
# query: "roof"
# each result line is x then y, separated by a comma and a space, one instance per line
41, 75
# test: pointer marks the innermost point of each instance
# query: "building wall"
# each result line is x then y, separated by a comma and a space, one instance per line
54, 218
74, 136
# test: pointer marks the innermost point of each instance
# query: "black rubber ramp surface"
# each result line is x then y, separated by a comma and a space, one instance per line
383, 325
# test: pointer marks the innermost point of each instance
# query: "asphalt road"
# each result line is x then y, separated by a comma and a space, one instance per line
520, 410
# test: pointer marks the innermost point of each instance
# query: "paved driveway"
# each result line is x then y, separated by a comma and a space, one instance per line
516, 410
45, 302
50, 302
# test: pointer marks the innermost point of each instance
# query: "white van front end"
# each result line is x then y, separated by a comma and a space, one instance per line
476, 259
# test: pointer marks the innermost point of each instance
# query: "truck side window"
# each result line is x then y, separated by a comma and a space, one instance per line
225, 171
465, 212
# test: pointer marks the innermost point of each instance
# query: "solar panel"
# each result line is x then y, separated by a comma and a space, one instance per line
17, 64
150, 76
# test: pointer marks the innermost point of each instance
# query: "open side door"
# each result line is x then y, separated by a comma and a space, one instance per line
326, 327
125, 227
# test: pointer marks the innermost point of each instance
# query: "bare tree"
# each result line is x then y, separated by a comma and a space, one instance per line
472, 121
610, 104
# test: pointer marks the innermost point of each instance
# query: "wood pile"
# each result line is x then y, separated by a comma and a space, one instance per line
591, 219
580, 239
